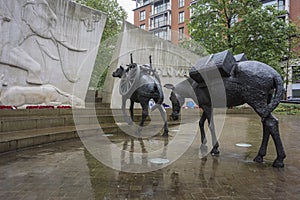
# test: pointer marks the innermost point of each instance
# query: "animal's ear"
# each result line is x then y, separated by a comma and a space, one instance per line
169, 86
121, 67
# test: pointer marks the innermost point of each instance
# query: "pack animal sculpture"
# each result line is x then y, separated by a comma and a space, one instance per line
145, 86
251, 82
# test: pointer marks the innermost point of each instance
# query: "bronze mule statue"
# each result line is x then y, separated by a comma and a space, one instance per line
140, 84
251, 82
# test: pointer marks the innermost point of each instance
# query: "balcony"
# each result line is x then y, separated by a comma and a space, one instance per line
160, 9
141, 3
159, 24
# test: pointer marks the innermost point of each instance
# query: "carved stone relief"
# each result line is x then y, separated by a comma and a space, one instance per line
47, 49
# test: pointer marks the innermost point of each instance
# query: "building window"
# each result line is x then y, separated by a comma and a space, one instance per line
142, 15
143, 26
181, 33
181, 17
296, 74
163, 34
281, 4
158, 8
191, 11
234, 20
180, 3
269, 3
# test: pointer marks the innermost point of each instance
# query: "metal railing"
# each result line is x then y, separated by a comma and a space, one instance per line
159, 24
160, 9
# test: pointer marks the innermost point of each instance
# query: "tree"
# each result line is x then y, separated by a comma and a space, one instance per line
243, 26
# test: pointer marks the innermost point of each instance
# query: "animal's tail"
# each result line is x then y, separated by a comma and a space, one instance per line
278, 85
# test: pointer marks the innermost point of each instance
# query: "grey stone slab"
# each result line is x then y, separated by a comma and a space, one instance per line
44, 46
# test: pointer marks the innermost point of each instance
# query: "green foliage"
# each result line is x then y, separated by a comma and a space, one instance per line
288, 109
103, 59
243, 26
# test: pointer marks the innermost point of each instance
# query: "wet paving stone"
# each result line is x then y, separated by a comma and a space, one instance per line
66, 170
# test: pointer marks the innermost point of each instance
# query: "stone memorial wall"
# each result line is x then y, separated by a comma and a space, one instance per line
170, 61
47, 51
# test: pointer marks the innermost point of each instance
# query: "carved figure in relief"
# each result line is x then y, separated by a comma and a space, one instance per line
37, 19
40, 94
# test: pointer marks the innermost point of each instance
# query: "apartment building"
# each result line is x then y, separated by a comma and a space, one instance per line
167, 19
162, 16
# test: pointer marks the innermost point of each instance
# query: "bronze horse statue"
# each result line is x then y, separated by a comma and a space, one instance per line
251, 82
145, 86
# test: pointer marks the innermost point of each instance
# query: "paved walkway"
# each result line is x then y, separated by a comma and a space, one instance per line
66, 170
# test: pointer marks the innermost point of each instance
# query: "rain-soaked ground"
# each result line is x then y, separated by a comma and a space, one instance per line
66, 170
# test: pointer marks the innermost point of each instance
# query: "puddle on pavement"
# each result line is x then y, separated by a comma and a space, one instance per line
159, 161
245, 145
76, 174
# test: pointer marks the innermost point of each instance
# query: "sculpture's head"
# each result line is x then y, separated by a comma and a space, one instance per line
119, 72
38, 15
177, 101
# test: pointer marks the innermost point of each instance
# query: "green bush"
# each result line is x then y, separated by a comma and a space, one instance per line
288, 109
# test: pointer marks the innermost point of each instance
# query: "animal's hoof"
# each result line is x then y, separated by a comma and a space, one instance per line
138, 134
128, 121
258, 159
215, 152
278, 164
165, 134
203, 149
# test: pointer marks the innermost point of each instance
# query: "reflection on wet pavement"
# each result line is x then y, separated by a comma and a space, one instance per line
66, 170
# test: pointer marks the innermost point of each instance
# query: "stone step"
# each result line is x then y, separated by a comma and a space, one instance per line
15, 140
25, 119
25, 113
20, 139
35, 122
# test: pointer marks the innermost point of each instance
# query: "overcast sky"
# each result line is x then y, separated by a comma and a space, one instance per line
128, 5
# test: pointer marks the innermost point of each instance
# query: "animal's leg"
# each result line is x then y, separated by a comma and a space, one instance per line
142, 145
264, 144
271, 124
215, 144
131, 110
164, 116
144, 104
126, 118
201, 125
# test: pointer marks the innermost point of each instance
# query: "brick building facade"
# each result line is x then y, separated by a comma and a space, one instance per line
165, 18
